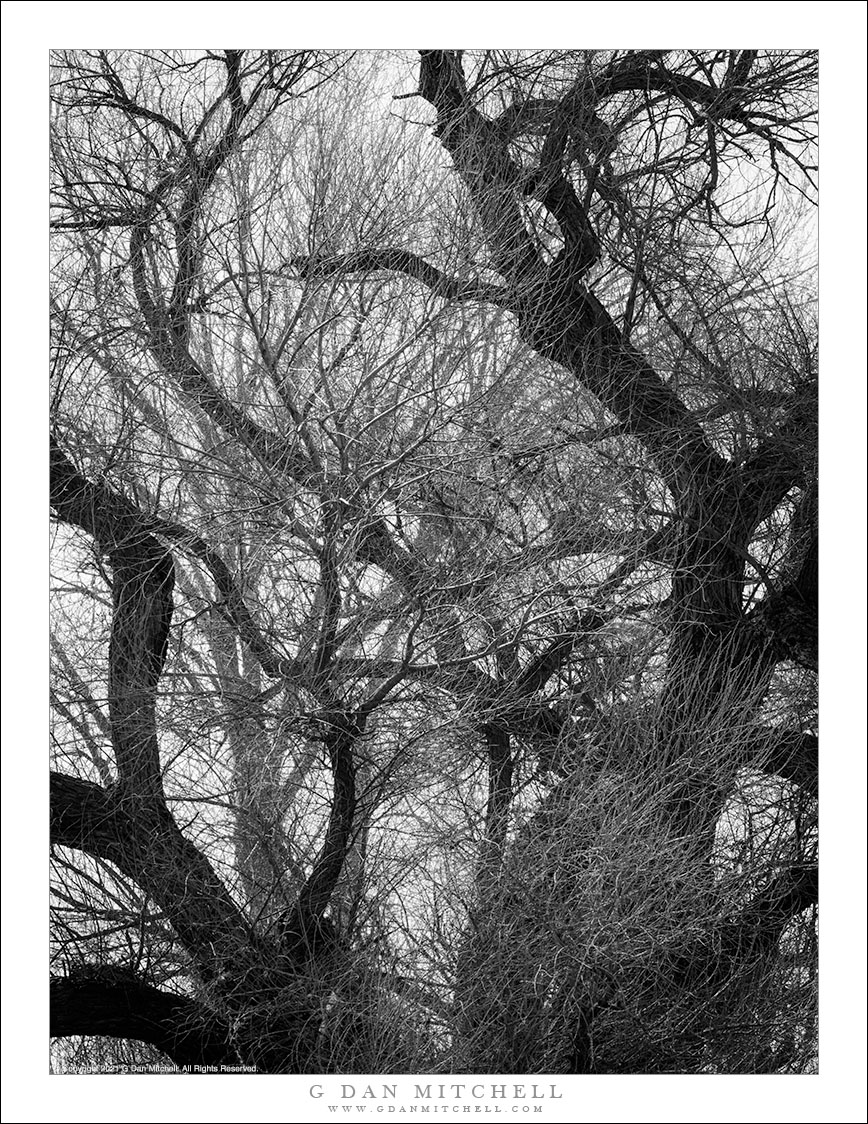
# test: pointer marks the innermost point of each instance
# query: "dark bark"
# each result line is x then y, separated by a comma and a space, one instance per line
719, 664
109, 1005
790, 755
253, 982
789, 616
340, 734
402, 261
500, 775
131, 826
142, 584
138, 832
743, 943
720, 657
143, 840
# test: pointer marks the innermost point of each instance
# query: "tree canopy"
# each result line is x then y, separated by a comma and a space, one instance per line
435, 525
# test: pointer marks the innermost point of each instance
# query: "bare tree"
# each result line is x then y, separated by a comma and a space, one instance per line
436, 522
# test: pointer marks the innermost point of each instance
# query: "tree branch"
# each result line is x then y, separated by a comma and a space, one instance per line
482, 159
103, 1004
789, 754
340, 735
143, 580
500, 776
142, 839
558, 317
83, 817
394, 260
737, 944
787, 618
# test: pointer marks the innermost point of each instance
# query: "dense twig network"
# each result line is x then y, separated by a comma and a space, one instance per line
435, 517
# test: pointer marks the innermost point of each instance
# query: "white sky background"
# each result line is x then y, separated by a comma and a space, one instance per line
30, 30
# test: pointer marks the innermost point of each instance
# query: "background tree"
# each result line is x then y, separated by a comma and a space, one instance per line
435, 623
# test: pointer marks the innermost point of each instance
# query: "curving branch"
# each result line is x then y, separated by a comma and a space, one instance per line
142, 585
341, 732
480, 152
737, 944
142, 839
758, 929
727, 102
558, 317
131, 825
395, 260
120, 1006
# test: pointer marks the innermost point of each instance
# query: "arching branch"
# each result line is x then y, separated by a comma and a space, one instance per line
108, 1004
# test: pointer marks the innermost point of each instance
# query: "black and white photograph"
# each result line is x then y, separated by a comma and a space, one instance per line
434, 499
